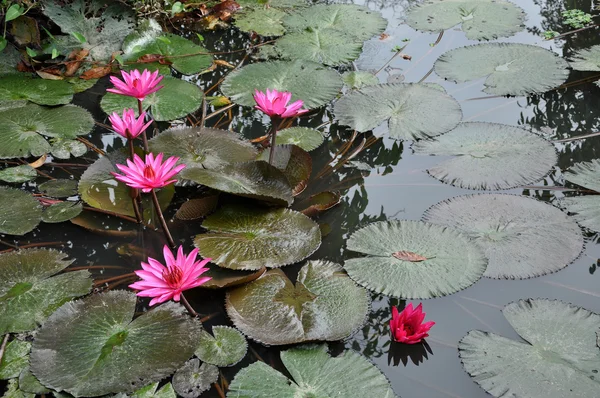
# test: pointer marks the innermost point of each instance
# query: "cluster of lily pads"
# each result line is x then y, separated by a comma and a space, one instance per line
250, 231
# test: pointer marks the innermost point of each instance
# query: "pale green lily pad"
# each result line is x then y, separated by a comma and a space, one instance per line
584, 209
265, 22
310, 82
324, 304
413, 111
20, 128
81, 85
480, 19
453, 262
249, 238
17, 87
150, 391
313, 371
509, 68
28, 291
587, 59
61, 188
59, 212
99, 189
193, 379
175, 100
585, 174
303, 137
521, 237
226, 348
108, 352
64, 148
489, 156
20, 212
558, 356
359, 79
13, 391
258, 180
29, 383
18, 174
203, 147
15, 359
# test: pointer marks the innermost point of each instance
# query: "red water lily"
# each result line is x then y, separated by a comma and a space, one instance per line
407, 326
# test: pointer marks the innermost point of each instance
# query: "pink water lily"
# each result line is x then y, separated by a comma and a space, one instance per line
408, 327
166, 282
136, 84
275, 104
149, 174
128, 126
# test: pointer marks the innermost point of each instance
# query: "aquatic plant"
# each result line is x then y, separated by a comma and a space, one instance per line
407, 326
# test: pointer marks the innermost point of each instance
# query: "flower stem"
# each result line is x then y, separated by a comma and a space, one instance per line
136, 209
144, 137
163, 223
131, 150
188, 307
274, 127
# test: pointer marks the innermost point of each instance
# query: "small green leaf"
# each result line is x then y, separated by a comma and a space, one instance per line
55, 53
164, 39
79, 37
200, 37
119, 59
30, 52
177, 8
14, 12
3, 43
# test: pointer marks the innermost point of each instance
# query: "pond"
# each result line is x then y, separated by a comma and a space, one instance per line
407, 205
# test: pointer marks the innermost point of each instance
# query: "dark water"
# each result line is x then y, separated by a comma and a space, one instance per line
397, 187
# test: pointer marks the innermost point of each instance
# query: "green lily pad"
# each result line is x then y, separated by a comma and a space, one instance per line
294, 162
20, 212
18, 174
60, 188
258, 180
509, 68
480, 19
64, 148
29, 292
193, 379
59, 212
359, 79
584, 209
315, 372
13, 391
453, 262
150, 391
303, 137
223, 277
587, 59
108, 352
80, 85
20, 128
324, 304
196, 208
29, 383
265, 22
99, 189
17, 87
9, 58
226, 348
521, 237
413, 111
15, 359
249, 238
175, 100
558, 356
489, 156
310, 82
203, 147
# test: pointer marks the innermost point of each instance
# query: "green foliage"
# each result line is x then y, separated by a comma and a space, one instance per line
576, 18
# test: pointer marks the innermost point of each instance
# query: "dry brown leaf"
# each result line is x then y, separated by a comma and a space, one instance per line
408, 256
73, 61
39, 162
383, 36
197, 208
221, 62
48, 74
96, 73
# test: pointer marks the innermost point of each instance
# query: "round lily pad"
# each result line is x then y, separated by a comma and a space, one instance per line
509, 68
359, 79
60, 188
18, 174
18, 86
20, 212
303, 137
64, 148
226, 348
587, 59
313, 83
557, 357
480, 19
193, 379
489, 156
106, 352
175, 100
28, 290
453, 262
249, 238
265, 22
585, 209
520, 236
323, 304
203, 147
59, 212
348, 375
413, 111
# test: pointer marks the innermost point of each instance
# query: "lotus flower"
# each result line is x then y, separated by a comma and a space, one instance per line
408, 327
128, 126
136, 84
164, 283
149, 174
275, 104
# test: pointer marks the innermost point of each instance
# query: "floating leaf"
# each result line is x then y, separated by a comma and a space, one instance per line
294, 162
585, 209
413, 111
265, 22
521, 237
15, 359
226, 348
585, 174
223, 277
108, 352
60, 188
319, 202
359, 79
193, 379
64, 148
149, 391
17, 174
325, 46
489, 156
204, 147
313, 83
175, 100
587, 59
453, 262
257, 180
306, 138
28, 291
480, 19
249, 238
509, 68
197, 208
17, 87
557, 357
20, 212
59, 212
29, 383
348, 375
13, 391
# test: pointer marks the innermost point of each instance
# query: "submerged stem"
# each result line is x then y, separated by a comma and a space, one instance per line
144, 137
275, 121
188, 307
163, 223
